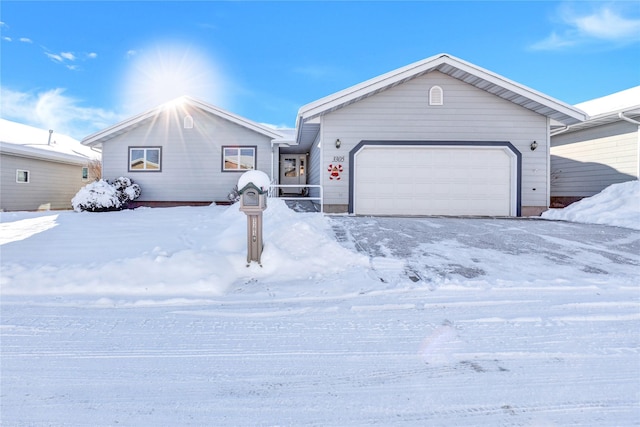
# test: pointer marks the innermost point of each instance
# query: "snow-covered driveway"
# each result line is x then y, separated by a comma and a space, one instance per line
443, 322
441, 250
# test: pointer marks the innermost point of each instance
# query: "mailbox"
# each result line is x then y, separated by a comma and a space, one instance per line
253, 201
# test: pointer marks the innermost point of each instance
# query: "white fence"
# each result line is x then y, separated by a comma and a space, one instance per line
274, 193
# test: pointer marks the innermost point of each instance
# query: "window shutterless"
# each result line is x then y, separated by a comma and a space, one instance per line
146, 159
22, 176
238, 158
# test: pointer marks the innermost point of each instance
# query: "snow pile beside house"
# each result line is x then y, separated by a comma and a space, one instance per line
617, 205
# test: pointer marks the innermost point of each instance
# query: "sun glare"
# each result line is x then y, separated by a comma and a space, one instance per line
165, 72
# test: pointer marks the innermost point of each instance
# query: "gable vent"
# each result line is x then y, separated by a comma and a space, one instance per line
188, 122
436, 96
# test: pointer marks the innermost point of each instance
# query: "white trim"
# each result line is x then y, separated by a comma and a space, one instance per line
28, 174
548, 148
110, 132
436, 96
442, 62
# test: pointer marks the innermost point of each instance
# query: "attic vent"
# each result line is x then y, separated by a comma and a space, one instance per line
188, 122
436, 96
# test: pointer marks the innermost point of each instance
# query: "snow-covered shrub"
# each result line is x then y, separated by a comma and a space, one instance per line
127, 190
102, 196
234, 196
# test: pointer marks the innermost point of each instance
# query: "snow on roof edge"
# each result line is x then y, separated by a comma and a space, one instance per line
613, 103
97, 137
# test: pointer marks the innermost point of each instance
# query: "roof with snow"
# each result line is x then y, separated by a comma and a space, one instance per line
447, 64
106, 134
609, 109
28, 141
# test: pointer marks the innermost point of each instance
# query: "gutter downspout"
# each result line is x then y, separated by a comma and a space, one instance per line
637, 123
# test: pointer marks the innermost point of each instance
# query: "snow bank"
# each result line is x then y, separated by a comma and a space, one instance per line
185, 251
617, 205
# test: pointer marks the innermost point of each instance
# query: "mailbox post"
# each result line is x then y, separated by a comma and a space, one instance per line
253, 201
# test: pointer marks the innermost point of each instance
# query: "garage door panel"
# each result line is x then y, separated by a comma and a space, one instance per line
430, 180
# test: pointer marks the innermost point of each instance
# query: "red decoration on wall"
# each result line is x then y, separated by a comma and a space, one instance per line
335, 171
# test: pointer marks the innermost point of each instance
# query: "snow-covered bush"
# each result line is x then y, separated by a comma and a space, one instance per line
234, 196
102, 196
127, 190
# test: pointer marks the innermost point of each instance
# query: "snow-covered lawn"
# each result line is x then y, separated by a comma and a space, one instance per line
150, 317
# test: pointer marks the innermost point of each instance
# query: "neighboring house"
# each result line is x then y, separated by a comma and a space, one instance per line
437, 137
40, 169
185, 152
588, 157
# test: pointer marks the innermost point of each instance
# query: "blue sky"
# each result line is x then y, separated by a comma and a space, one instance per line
78, 67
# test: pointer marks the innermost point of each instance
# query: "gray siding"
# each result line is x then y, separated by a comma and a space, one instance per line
51, 185
468, 114
585, 162
191, 158
314, 174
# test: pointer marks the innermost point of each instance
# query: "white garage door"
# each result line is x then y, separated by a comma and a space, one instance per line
434, 180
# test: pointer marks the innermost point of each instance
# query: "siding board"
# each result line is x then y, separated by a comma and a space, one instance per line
468, 114
191, 158
585, 162
51, 185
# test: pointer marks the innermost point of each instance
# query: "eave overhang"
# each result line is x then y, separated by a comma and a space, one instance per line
181, 103
451, 66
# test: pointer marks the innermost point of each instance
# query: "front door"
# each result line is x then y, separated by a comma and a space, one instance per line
293, 172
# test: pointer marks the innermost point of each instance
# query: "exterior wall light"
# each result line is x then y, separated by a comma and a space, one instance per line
338, 143
534, 145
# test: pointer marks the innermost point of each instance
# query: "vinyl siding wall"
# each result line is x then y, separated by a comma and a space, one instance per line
468, 114
51, 185
315, 174
191, 163
585, 162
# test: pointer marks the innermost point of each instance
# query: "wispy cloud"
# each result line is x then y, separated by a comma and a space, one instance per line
54, 57
25, 40
68, 56
131, 53
52, 109
7, 39
607, 24
68, 59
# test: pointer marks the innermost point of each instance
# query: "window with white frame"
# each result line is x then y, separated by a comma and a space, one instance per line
145, 159
436, 96
238, 158
22, 176
85, 173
